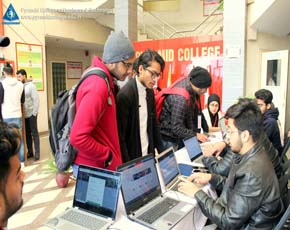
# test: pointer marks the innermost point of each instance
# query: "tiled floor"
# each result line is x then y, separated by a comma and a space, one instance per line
42, 198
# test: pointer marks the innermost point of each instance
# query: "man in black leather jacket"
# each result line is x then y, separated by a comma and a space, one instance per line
222, 165
250, 197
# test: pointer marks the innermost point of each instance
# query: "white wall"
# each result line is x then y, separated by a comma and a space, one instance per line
33, 31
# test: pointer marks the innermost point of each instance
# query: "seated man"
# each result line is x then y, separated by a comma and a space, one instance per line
264, 99
11, 175
250, 197
222, 165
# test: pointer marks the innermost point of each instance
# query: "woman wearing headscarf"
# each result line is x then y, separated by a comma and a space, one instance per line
212, 113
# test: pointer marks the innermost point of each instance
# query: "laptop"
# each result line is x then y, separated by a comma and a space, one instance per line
222, 124
143, 200
169, 169
94, 203
193, 149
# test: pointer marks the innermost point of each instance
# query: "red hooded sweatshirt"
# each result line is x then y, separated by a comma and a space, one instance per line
94, 132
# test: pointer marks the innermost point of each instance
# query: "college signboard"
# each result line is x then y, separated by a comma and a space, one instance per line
182, 54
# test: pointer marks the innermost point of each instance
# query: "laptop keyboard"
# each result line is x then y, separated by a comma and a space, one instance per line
83, 220
158, 210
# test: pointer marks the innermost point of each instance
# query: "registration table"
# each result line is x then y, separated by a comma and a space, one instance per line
193, 220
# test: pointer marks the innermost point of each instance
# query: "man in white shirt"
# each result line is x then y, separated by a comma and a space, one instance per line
136, 113
13, 98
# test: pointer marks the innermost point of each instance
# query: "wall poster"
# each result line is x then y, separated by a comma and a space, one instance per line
182, 54
29, 57
74, 70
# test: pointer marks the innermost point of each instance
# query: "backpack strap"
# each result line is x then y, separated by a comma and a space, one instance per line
177, 91
94, 71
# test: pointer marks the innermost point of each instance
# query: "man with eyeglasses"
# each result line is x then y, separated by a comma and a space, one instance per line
250, 197
94, 131
136, 113
180, 119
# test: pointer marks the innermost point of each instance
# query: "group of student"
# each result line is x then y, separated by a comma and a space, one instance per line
109, 134
15, 92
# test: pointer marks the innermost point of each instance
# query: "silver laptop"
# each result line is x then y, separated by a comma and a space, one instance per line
222, 124
95, 201
143, 200
170, 169
193, 149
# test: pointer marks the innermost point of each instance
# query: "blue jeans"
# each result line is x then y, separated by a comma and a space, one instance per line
18, 122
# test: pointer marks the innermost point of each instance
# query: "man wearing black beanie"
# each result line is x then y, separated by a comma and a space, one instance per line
180, 118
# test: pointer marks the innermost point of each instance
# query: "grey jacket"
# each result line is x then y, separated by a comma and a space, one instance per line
250, 197
31, 104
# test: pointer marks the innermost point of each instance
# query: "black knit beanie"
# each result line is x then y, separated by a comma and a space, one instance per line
200, 77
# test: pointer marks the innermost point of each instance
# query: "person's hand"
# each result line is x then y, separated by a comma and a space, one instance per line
288, 133
202, 137
213, 149
200, 178
188, 188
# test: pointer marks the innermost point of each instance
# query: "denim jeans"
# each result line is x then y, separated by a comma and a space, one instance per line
18, 122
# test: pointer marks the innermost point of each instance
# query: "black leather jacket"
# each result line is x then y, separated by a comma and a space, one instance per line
222, 167
250, 197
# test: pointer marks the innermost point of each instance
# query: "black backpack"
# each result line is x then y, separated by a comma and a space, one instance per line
61, 120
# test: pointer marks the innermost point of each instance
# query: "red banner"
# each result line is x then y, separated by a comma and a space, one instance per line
182, 54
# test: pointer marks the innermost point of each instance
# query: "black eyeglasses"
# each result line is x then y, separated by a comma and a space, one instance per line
154, 75
127, 64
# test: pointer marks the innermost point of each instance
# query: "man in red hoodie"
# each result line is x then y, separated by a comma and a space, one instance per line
94, 131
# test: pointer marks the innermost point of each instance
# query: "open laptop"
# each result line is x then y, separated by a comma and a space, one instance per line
169, 169
222, 124
193, 149
95, 201
143, 200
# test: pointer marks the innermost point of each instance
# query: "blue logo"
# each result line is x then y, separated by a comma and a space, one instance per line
10, 16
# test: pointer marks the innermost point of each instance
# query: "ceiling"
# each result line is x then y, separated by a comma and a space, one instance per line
275, 20
185, 16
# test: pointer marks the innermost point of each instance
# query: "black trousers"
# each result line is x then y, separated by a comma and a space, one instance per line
32, 136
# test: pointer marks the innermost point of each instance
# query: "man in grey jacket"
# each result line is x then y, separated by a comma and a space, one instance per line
31, 106
250, 197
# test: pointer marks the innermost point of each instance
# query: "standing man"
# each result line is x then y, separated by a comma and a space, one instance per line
264, 99
180, 119
31, 106
11, 175
250, 197
136, 113
13, 98
94, 131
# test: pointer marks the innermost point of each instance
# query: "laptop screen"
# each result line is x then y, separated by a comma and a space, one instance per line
97, 191
140, 183
168, 166
193, 148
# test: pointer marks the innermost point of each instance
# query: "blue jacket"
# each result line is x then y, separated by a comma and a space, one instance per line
271, 128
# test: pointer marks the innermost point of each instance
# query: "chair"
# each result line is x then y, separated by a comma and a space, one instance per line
284, 223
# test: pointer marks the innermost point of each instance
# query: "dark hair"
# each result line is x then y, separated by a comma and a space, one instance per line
147, 57
22, 72
135, 65
9, 147
247, 116
265, 95
8, 68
